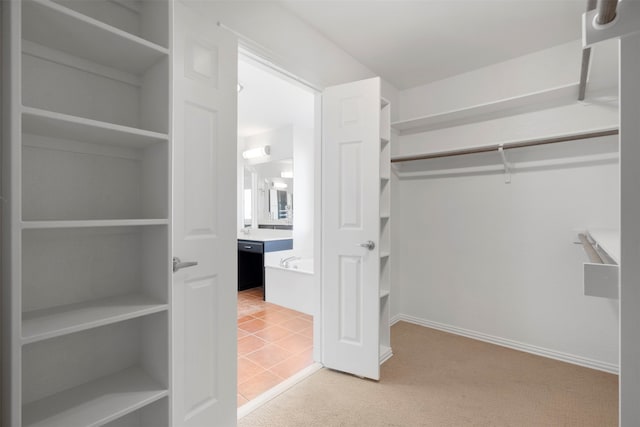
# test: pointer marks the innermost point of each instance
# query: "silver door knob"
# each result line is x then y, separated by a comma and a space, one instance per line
178, 264
369, 244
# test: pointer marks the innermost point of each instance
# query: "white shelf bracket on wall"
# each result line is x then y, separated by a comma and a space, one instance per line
507, 165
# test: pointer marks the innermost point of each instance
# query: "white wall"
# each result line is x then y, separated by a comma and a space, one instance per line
280, 142
538, 71
267, 28
496, 261
303, 197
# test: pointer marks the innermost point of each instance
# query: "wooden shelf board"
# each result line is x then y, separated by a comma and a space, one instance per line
384, 293
58, 27
66, 127
384, 254
535, 101
92, 223
95, 403
48, 323
608, 240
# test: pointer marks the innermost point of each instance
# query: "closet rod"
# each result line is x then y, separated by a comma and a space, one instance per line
606, 11
496, 147
586, 55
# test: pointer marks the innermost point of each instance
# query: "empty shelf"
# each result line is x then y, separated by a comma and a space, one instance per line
95, 403
384, 254
384, 293
63, 126
55, 26
48, 323
608, 240
92, 223
527, 103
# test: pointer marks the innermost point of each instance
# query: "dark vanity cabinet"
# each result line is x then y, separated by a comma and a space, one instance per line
251, 260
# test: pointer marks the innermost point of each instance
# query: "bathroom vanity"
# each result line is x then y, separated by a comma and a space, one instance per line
251, 249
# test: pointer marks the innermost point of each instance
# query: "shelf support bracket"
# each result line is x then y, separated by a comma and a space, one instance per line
507, 165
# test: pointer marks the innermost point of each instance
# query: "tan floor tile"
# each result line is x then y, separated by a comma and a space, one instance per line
273, 316
241, 400
295, 343
249, 344
245, 318
293, 365
295, 324
258, 384
253, 326
273, 333
307, 332
247, 369
269, 355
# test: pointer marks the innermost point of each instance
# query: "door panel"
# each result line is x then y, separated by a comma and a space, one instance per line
351, 193
204, 157
350, 182
351, 300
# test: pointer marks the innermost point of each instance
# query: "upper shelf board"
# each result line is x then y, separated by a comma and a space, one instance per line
535, 101
63, 126
608, 240
57, 27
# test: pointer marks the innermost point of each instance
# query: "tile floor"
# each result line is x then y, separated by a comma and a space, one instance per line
274, 343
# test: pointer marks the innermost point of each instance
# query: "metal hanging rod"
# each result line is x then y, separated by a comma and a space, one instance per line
606, 11
496, 147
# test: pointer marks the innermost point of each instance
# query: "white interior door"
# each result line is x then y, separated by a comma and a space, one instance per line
350, 212
204, 200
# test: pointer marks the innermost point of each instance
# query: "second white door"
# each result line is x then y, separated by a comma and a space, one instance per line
350, 212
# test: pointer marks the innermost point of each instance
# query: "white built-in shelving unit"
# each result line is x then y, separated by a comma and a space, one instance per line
534, 101
90, 195
385, 230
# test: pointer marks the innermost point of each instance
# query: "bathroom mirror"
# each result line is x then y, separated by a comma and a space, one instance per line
268, 194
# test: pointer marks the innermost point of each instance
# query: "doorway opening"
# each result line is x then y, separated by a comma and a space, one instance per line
278, 298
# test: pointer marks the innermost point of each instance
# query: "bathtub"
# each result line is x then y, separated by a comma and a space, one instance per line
292, 287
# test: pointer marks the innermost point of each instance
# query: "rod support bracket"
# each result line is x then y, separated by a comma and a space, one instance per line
626, 22
507, 165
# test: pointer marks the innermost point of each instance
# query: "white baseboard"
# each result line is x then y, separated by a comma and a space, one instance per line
260, 400
528, 348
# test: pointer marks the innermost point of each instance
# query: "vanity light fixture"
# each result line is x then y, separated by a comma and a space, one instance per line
256, 152
279, 185
286, 174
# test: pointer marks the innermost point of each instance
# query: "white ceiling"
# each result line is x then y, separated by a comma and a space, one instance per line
268, 102
410, 43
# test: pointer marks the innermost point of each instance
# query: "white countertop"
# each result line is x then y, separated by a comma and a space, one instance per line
265, 235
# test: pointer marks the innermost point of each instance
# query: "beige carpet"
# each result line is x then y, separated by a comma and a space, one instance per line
439, 379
